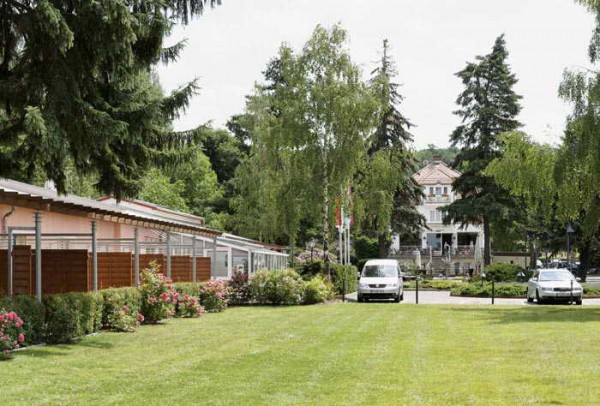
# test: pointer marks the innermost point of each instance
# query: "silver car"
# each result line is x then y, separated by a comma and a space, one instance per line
554, 285
381, 279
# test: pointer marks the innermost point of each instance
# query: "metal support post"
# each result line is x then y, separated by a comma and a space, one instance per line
417, 290
94, 257
38, 255
213, 260
341, 244
10, 263
169, 254
194, 259
136, 257
493, 291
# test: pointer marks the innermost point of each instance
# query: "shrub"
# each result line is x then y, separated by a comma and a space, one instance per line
434, 284
283, 286
187, 288
258, 286
341, 272
114, 299
214, 296
485, 290
240, 288
125, 319
31, 312
310, 269
11, 332
89, 311
317, 290
158, 296
189, 306
62, 320
503, 272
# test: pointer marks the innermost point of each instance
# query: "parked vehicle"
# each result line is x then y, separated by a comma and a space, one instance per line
554, 284
381, 279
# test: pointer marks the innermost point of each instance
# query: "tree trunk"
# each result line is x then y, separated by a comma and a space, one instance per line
486, 242
326, 221
584, 258
382, 245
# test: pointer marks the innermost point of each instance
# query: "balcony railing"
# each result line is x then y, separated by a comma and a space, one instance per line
437, 199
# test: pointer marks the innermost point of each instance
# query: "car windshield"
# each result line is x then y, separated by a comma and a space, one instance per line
556, 276
380, 271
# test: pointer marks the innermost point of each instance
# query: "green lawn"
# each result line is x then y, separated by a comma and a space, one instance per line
326, 354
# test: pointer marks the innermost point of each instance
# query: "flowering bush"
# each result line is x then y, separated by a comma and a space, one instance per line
125, 319
189, 306
11, 332
214, 296
283, 286
240, 289
158, 295
318, 290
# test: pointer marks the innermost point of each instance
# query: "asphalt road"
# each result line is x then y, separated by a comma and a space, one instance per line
443, 297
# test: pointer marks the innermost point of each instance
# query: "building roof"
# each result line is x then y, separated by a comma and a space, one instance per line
39, 198
436, 173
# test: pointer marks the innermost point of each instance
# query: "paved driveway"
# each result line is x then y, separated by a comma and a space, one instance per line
443, 297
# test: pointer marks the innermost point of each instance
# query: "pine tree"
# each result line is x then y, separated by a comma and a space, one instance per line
488, 108
387, 193
76, 83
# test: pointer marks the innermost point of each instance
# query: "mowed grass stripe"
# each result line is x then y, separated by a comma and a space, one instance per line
326, 354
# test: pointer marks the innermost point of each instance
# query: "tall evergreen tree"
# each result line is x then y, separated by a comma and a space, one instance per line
386, 192
488, 107
75, 82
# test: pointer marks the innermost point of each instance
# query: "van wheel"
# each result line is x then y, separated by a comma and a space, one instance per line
402, 296
360, 299
397, 299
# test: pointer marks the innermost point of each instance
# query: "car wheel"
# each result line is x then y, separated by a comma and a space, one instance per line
537, 297
402, 296
529, 298
360, 298
579, 302
397, 299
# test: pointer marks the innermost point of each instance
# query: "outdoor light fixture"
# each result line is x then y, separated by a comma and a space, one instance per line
311, 245
520, 276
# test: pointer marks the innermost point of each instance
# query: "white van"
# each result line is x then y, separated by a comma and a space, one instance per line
381, 279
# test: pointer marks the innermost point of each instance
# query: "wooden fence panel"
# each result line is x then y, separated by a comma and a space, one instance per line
3, 272
64, 271
115, 270
145, 260
181, 268
23, 270
202, 269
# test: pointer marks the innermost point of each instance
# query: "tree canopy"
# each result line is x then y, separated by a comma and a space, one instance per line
488, 107
76, 84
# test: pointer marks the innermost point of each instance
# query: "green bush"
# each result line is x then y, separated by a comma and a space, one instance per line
62, 320
188, 288
283, 286
434, 284
341, 272
31, 312
214, 296
589, 291
158, 295
310, 269
503, 272
114, 299
365, 248
477, 289
317, 290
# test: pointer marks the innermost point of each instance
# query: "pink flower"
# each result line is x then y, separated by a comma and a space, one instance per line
21, 338
19, 323
219, 295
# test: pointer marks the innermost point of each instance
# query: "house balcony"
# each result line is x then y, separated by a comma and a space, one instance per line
438, 199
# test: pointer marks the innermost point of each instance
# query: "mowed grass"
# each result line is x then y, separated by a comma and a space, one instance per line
343, 353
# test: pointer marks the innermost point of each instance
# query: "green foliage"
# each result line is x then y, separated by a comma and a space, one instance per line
477, 289
69, 316
317, 290
488, 108
158, 188
76, 85
503, 272
425, 156
365, 248
31, 312
341, 274
283, 286
311, 120
434, 284
214, 296
125, 319
114, 299
158, 295
187, 288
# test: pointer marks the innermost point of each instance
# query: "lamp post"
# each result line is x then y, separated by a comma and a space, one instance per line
569, 231
311, 245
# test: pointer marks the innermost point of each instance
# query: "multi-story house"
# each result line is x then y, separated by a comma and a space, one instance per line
436, 180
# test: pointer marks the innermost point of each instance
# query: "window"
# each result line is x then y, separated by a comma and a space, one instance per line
431, 190
435, 216
445, 190
438, 190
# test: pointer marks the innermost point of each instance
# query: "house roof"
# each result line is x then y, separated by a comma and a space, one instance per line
38, 198
436, 173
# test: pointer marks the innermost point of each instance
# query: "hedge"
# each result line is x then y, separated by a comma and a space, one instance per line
503, 272
433, 284
478, 289
309, 270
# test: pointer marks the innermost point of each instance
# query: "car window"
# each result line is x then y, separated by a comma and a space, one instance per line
555, 276
380, 271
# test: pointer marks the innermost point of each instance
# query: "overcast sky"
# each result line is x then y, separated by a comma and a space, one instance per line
229, 47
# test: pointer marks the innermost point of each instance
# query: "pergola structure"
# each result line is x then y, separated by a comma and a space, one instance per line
44, 202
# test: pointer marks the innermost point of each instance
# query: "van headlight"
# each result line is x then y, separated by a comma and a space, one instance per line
393, 285
363, 285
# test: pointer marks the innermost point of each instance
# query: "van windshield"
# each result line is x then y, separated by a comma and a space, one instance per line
380, 271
